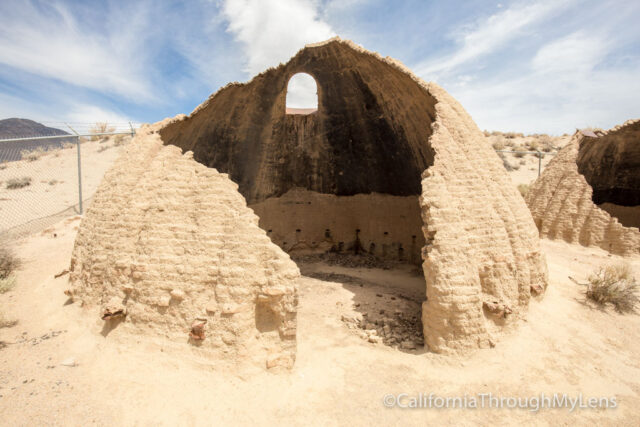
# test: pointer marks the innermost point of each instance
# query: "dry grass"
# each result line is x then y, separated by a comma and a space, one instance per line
498, 144
8, 264
508, 166
15, 183
614, 284
7, 323
119, 140
523, 189
100, 127
33, 155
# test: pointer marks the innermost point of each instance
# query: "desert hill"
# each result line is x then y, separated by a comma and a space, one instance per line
22, 128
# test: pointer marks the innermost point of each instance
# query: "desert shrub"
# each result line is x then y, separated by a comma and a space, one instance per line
8, 264
498, 144
518, 155
15, 183
119, 140
533, 145
505, 162
103, 148
523, 189
68, 145
7, 323
614, 284
33, 155
53, 182
100, 127
3, 165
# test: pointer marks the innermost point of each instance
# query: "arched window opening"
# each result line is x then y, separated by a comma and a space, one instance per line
302, 94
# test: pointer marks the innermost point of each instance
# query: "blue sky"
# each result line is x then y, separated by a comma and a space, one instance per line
544, 66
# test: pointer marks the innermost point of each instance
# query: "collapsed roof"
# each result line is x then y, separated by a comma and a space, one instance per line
380, 139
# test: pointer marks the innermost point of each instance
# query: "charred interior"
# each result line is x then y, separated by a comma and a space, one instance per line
344, 178
611, 165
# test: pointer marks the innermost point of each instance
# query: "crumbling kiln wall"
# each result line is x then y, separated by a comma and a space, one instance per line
379, 132
307, 222
562, 199
171, 244
482, 255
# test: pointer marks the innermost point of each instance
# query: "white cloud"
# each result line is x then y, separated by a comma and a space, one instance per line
490, 34
567, 85
577, 52
272, 31
48, 41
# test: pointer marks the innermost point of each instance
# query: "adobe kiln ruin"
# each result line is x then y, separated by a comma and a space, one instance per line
590, 192
388, 165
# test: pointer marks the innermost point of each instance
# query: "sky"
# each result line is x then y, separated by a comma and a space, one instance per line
525, 66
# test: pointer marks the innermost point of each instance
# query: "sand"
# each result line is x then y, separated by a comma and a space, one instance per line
525, 168
54, 181
566, 346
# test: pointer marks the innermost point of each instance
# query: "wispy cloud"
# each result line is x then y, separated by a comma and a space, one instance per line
271, 31
487, 35
567, 84
48, 40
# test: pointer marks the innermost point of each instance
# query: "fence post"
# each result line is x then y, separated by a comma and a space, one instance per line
539, 162
79, 170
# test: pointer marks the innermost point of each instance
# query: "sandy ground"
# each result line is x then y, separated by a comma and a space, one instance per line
525, 168
566, 346
54, 181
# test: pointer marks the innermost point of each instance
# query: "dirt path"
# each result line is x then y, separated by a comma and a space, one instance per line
567, 346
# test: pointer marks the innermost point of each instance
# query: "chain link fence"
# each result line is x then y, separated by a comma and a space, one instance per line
45, 178
50, 175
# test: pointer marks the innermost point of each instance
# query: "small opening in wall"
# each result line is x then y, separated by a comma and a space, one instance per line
302, 94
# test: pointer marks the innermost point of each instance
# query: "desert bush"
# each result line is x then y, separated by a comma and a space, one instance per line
119, 140
533, 145
523, 189
498, 143
103, 148
512, 135
8, 264
505, 162
68, 145
53, 182
518, 155
100, 127
15, 183
33, 155
7, 323
614, 284
3, 165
